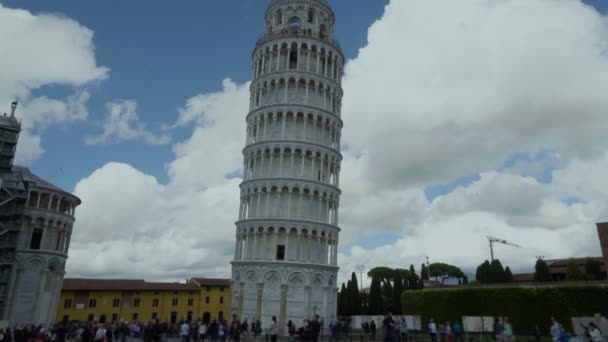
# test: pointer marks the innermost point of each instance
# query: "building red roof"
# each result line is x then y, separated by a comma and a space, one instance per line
80, 284
211, 281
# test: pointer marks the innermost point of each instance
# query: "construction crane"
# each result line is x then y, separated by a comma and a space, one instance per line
494, 240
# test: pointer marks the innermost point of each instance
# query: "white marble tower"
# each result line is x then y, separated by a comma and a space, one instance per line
285, 260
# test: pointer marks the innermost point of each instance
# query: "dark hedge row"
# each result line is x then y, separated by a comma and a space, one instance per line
525, 306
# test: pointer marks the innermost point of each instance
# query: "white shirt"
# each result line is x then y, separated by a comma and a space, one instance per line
184, 329
432, 328
273, 329
595, 335
202, 330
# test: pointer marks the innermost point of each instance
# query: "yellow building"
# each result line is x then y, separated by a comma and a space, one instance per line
108, 300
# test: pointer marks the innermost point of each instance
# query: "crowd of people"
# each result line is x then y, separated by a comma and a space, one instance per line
393, 329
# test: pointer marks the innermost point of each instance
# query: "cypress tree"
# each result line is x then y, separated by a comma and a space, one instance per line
508, 275
397, 292
341, 301
414, 280
353, 295
424, 273
483, 273
542, 273
497, 272
375, 298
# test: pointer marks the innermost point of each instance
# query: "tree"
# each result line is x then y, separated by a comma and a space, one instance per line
483, 273
508, 275
341, 300
440, 272
593, 269
354, 298
497, 272
424, 273
375, 297
413, 281
385, 274
398, 289
542, 272
573, 271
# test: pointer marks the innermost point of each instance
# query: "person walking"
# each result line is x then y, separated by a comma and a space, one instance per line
403, 330
202, 332
497, 329
273, 330
432, 329
594, 333
373, 329
554, 330
507, 331
184, 331
457, 330
387, 327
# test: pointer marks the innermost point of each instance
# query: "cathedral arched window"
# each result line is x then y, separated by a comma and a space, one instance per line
311, 15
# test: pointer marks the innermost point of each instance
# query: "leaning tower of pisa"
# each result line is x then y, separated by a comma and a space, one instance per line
285, 260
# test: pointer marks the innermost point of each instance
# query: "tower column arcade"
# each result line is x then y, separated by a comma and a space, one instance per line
285, 259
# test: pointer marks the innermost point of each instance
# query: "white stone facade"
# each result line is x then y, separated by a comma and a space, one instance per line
285, 260
36, 220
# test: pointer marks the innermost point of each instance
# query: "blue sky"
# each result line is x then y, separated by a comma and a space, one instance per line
160, 54
443, 182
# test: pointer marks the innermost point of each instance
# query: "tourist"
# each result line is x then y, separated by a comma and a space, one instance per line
448, 332
554, 329
373, 329
202, 332
432, 328
457, 330
273, 330
334, 328
221, 331
497, 329
507, 331
403, 330
109, 333
365, 327
100, 334
2, 337
563, 334
244, 328
184, 331
594, 333
387, 327
315, 328
291, 331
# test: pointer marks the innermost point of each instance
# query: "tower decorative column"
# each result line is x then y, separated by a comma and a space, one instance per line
287, 232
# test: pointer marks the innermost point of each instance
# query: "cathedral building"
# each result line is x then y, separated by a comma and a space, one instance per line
36, 220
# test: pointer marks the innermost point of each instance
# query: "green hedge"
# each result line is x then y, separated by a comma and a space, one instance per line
525, 306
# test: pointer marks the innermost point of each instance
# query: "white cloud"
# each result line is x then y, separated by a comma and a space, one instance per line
459, 88
441, 91
42, 50
122, 124
173, 231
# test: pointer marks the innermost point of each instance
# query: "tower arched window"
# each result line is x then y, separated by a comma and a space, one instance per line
278, 18
295, 22
323, 31
311, 15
